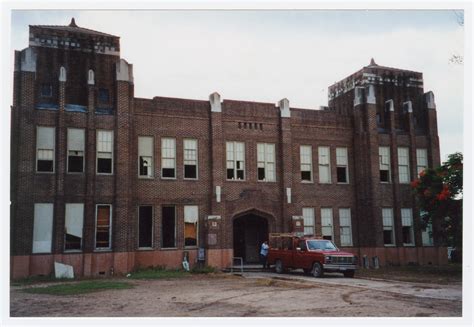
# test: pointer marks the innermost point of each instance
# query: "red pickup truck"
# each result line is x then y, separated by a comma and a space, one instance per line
315, 256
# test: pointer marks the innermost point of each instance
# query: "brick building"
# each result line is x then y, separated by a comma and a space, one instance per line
108, 182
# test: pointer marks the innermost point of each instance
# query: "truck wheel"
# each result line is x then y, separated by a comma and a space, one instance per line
349, 273
278, 267
317, 270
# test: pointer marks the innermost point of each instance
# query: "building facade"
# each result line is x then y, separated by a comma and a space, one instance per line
108, 182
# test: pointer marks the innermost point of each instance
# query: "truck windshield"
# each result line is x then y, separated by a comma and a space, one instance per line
321, 245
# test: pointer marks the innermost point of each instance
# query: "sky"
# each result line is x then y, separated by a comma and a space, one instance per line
267, 55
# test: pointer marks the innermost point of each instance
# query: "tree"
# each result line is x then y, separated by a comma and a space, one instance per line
439, 196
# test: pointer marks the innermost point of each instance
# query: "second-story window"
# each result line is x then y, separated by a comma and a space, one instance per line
342, 166
266, 162
403, 165
190, 158
235, 160
306, 163
384, 164
168, 157
105, 146
145, 156
421, 160
45, 140
75, 150
324, 165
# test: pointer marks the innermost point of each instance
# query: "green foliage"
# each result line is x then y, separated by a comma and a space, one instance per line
81, 287
158, 272
203, 270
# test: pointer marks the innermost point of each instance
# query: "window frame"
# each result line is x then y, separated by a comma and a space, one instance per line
65, 219
392, 227
412, 227
418, 157
83, 151
197, 227
53, 149
51, 222
381, 159
329, 209
351, 243
168, 158
175, 246
400, 164
152, 165
234, 161
324, 165
310, 147
313, 226
98, 131
99, 249
426, 231
265, 162
345, 166
197, 159
152, 227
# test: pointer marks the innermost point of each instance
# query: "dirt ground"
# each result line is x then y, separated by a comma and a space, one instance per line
251, 295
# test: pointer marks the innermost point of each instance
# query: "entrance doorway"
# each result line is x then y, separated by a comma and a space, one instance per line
250, 231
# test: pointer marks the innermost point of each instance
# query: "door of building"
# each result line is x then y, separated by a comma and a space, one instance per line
249, 232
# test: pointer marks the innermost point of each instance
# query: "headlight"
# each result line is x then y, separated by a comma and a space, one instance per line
327, 259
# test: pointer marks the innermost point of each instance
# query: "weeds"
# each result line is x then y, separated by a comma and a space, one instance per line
82, 287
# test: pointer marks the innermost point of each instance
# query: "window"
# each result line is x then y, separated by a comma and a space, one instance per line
42, 228
168, 227
306, 163
403, 165
145, 156
75, 150
388, 231
46, 90
342, 165
105, 145
421, 160
384, 164
104, 96
345, 226
235, 160
168, 158
326, 223
191, 219
407, 227
324, 167
145, 226
190, 158
308, 220
73, 226
103, 226
266, 162
45, 139
427, 232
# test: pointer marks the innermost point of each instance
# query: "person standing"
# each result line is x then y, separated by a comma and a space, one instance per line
264, 254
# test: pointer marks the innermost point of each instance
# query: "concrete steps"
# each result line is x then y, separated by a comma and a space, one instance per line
246, 268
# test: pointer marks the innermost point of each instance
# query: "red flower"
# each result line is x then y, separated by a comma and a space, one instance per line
422, 173
415, 183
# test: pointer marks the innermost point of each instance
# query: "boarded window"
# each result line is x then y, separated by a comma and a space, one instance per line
324, 159
345, 226
326, 223
145, 226
42, 227
306, 163
235, 160
407, 227
308, 220
421, 160
190, 158
103, 227
342, 165
168, 227
145, 156
403, 165
388, 231
105, 145
266, 162
168, 158
75, 150
384, 164
191, 220
73, 226
45, 141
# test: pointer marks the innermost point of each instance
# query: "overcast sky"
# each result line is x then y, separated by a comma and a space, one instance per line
265, 56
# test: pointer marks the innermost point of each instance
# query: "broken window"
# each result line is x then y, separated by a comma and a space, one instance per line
308, 221
190, 158
421, 160
342, 165
168, 227
75, 150
324, 159
403, 165
145, 156
384, 164
103, 227
145, 226
266, 162
105, 145
345, 226
168, 158
191, 219
45, 139
42, 228
407, 227
235, 160
326, 223
388, 231
73, 226
306, 163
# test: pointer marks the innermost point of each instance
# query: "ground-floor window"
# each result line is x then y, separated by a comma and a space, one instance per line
103, 227
326, 223
42, 227
407, 227
426, 233
191, 219
145, 226
168, 227
308, 220
388, 231
345, 226
73, 226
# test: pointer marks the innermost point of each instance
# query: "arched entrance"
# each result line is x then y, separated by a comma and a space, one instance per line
250, 231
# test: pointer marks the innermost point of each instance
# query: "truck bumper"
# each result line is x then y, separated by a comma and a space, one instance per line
336, 267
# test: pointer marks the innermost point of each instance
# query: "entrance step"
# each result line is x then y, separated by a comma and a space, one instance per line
246, 268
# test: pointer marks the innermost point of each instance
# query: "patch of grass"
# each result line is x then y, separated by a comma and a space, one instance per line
37, 279
82, 287
203, 270
158, 273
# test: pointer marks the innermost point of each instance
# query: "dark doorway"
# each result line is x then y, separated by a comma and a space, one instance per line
250, 231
